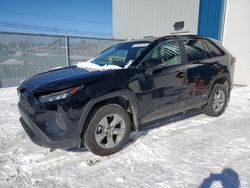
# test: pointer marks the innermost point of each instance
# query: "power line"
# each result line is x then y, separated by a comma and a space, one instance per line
55, 30
48, 29
54, 17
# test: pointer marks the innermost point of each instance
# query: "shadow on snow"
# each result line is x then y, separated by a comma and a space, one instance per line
228, 179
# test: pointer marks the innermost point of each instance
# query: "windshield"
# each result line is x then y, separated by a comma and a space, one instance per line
120, 55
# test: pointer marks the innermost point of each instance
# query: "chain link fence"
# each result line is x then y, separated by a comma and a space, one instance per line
24, 55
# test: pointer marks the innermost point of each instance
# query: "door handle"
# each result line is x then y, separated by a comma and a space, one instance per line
180, 74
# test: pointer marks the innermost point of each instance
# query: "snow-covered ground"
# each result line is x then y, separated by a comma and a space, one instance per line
186, 152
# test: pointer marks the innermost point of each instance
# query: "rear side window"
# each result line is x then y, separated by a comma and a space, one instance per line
195, 50
214, 50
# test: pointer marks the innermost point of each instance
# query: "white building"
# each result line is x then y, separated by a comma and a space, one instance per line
225, 20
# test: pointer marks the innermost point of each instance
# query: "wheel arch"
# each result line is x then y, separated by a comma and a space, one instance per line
125, 98
223, 80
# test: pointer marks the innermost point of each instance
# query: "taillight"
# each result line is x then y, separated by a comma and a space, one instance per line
233, 61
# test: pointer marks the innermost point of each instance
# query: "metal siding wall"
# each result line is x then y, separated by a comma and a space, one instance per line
133, 19
237, 37
210, 18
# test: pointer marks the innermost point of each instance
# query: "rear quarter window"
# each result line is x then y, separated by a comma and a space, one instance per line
214, 50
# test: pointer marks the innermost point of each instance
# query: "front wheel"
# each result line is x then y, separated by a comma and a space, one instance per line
108, 130
217, 101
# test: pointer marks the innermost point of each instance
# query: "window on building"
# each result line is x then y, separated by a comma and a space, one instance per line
195, 50
167, 54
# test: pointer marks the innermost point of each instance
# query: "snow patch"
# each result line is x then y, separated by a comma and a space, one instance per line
187, 152
94, 67
54, 68
129, 63
120, 179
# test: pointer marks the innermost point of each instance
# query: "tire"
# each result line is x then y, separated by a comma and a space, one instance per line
108, 130
214, 100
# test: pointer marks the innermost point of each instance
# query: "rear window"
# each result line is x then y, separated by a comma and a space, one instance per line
214, 50
195, 50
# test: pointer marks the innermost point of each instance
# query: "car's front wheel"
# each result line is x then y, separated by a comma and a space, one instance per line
217, 101
108, 130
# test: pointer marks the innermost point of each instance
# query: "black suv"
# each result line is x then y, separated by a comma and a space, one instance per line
124, 88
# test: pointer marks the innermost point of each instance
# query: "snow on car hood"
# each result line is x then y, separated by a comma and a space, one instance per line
87, 65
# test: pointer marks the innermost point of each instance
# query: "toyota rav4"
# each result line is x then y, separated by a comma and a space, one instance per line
98, 103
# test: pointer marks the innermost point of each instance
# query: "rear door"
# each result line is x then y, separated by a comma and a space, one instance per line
200, 68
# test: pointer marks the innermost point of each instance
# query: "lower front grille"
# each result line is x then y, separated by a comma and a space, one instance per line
27, 129
24, 104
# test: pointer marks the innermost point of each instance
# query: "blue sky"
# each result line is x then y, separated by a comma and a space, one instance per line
75, 17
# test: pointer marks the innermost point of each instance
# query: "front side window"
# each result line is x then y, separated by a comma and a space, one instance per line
168, 54
195, 50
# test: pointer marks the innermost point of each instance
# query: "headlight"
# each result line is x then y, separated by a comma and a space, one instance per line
59, 95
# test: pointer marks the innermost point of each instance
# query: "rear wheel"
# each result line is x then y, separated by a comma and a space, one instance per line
108, 130
217, 101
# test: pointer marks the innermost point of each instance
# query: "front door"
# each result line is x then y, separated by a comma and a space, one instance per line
163, 82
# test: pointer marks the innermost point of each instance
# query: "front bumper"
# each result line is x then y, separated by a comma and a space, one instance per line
43, 138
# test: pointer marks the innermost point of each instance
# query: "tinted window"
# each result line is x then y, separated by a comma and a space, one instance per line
168, 54
208, 53
215, 51
195, 50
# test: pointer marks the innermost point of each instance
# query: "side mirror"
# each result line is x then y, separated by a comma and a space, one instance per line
153, 64
149, 71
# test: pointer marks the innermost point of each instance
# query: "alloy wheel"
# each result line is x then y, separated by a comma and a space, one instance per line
218, 100
110, 131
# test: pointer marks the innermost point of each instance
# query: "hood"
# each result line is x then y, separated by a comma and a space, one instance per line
62, 78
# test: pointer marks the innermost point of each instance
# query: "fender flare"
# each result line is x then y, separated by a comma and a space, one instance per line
226, 76
125, 93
